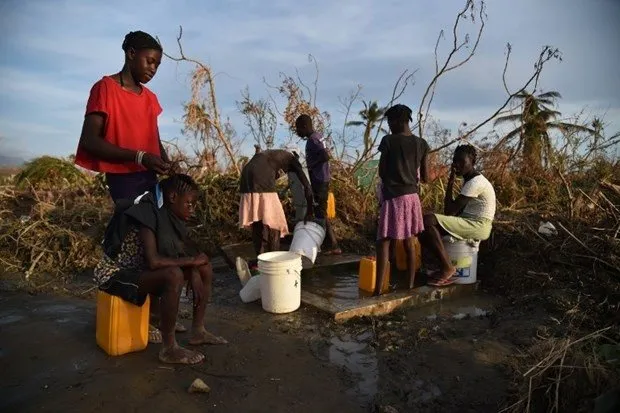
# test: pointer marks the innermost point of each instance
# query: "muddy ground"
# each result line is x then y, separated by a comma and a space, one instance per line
450, 358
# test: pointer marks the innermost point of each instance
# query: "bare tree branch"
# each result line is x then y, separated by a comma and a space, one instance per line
399, 88
508, 52
429, 93
301, 82
311, 58
347, 103
548, 53
214, 120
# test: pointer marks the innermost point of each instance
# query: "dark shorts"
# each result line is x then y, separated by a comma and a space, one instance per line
130, 185
124, 284
320, 192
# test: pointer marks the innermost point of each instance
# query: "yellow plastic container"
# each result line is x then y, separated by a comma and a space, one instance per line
331, 206
401, 255
122, 327
368, 275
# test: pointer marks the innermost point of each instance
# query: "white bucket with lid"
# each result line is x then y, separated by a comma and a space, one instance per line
464, 256
307, 240
280, 281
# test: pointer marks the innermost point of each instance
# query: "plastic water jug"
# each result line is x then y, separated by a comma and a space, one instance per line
122, 327
401, 255
331, 206
368, 275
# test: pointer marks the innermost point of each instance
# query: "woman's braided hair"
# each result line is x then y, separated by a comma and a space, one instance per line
140, 40
178, 183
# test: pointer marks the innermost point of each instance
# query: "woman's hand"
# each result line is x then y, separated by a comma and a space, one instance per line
452, 173
200, 260
155, 163
309, 205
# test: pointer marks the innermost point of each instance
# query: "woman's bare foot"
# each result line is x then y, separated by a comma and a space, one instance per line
202, 336
180, 355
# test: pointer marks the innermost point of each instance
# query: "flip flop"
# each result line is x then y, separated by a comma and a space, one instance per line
442, 283
336, 251
155, 336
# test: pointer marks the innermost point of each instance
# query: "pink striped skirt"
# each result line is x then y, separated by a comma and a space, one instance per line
401, 217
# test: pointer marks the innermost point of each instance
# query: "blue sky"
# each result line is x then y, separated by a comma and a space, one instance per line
51, 52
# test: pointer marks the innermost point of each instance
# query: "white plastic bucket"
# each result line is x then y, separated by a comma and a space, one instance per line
464, 256
307, 240
251, 290
280, 283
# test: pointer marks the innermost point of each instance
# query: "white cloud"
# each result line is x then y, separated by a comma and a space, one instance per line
52, 52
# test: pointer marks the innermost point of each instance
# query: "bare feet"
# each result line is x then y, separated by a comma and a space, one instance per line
180, 355
202, 336
180, 328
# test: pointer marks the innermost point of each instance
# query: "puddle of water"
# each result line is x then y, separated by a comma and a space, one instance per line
58, 309
340, 285
10, 319
356, 355
478, 305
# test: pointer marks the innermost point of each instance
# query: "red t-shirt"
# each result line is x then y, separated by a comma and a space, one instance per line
130, 123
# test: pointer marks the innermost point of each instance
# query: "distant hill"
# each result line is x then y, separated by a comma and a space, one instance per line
11, 161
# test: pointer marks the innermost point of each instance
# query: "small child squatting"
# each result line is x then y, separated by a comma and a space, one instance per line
147, 252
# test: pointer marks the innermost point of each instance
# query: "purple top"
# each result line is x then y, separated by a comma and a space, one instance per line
317, 159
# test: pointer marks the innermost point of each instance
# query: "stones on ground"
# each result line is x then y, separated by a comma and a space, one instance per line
199, 386
386, 409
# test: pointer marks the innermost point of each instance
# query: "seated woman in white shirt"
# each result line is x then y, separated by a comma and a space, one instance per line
469, 216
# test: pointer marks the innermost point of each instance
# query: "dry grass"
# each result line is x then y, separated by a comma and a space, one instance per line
50, 232
566, 374
575, 274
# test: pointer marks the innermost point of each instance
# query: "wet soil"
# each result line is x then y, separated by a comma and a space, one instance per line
450, 357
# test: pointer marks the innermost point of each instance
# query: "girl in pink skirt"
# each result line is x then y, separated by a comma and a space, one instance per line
401, 167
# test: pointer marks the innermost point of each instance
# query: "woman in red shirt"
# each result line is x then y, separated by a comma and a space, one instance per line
120, 136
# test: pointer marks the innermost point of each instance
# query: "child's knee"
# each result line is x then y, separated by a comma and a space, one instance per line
175, 278
206, 272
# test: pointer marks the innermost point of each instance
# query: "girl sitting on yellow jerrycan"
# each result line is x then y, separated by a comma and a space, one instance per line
148, 252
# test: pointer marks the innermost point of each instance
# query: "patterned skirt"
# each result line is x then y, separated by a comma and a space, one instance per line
400, 218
